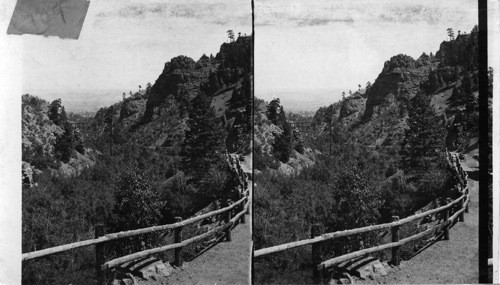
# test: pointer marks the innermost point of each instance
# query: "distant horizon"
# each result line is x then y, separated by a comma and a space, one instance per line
303, 45
301, 100
124, 44
80, 100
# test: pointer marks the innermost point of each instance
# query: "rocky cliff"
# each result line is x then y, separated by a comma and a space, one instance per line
378, 117
156, 116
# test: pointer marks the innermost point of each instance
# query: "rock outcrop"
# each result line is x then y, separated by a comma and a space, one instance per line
379, 120
401, 77
157, 116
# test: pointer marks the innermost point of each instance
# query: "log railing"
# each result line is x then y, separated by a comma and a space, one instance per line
239, 209
320, 267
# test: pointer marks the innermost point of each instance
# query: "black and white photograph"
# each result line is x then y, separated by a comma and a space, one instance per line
136, 141
366, 154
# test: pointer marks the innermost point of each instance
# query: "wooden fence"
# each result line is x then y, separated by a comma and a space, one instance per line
234, 213
320, 267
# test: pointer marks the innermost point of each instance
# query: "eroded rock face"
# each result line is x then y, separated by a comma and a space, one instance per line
461, 51
183, 78
131, 107
401, 76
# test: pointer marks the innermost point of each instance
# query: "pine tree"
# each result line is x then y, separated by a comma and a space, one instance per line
451, 34
204, 143
65, 143
56, 112
424, 141
274, 111
282, 145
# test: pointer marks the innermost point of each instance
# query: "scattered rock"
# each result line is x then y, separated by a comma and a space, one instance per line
128, 281
378, 268
344, 281
148, 269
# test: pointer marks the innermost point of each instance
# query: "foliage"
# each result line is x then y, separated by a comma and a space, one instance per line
62, 210
36, 103
424, 141
56, 112
282, 145
39, 159
137, 205
450, 32
204, 143
65, 144
285, 207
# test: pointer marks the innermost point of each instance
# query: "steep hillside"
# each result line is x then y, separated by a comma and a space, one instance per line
49, 144
278, 147
156, 117
378, 116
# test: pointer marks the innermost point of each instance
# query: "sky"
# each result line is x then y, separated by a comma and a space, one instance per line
126, 43
321, 47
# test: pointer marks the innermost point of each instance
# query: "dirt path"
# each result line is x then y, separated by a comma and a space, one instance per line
225, 263
454, 261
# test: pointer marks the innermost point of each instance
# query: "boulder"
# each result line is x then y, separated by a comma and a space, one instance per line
364, 268
378, 268
149, 268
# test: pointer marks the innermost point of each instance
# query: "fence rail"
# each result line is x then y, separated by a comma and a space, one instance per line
145, 253
319, 268
124, 234
241, 207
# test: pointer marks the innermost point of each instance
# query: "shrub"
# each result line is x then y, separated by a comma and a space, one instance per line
137, 205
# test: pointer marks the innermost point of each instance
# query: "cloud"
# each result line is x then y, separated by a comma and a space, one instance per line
320, 21
135, 11
212, 13
306, 13
184, 11
414, 13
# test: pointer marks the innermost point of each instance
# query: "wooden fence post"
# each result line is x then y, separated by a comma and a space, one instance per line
395, 238
466, 191
248, 199
228, 219
100, 255
178, 239
316, 254
446, 217
242, 206
461, 217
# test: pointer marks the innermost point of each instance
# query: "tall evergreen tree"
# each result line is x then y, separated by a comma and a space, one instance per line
204, 143
424, 140
274, 111
56, 112
282, 146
